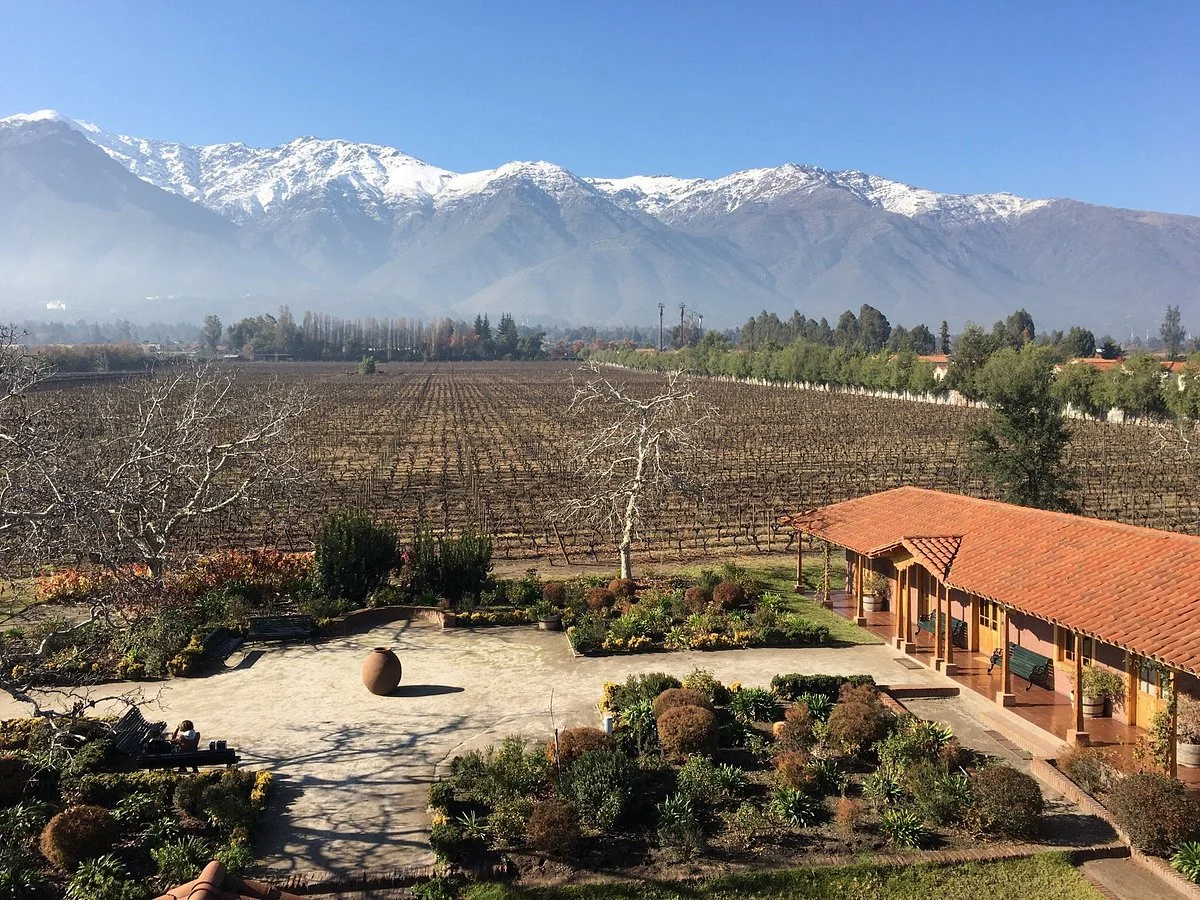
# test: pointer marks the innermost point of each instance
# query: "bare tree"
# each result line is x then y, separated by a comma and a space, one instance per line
154, 457
637, 449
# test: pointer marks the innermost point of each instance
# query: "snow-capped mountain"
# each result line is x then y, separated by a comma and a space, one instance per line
371, 224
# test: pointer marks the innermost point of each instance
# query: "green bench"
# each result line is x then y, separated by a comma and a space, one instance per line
1033, 667
958, 628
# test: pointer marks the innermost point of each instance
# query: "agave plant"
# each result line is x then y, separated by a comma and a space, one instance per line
472, 826
1187, 860
819, 705
903, 828
795, 808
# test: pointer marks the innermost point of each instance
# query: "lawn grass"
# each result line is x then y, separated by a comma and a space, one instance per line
781, 578
1035, 878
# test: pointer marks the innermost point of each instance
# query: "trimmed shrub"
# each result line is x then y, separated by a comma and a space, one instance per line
602, 785
1088, 767
684, 730
673, 697
790, 687
706, 683
792, 770
555, 593
623, 588
696, 599
858, 720
1005, 803
848, 815
354, 556
574, 742
15, 775
598, 599
795, 732
553, 827
729, 595
78, 833
1155, 811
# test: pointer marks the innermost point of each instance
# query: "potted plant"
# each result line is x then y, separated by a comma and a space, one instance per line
1103, 689
548, 617
876, 588
1187, 741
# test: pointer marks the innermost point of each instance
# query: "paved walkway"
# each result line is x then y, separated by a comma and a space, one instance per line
355, 768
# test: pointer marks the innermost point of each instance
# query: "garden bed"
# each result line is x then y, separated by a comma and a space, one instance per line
700, 777
72, 821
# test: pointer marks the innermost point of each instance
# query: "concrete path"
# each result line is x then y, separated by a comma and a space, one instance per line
354, 768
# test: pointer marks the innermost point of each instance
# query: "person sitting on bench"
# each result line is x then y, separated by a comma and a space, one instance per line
186, 738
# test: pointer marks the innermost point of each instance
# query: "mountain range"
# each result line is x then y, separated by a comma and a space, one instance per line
97, 223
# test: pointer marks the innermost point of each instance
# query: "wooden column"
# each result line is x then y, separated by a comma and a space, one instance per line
908, 645
825, 599
1079, 735
1005, 697
938, 658
950, 668
860, 613
898, 609
799, 560
1172, 750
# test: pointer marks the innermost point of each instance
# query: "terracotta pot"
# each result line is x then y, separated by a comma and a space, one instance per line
1093, 708
550, 623
1187, 755
381, 671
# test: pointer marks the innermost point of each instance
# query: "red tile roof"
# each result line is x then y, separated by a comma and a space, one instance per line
1137, 588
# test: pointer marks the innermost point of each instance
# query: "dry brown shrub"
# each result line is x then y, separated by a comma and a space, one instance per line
848, 817
622, 588
791, 767
729, 595
672, 697
555, 593
598, 599
796, 730
553, 827
574, 742
696, 599
684, 730
76, 834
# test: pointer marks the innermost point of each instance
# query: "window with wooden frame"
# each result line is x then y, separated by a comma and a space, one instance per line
989, 615
1064, 639
1153, 682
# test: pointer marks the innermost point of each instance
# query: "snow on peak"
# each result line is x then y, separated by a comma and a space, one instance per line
553, 179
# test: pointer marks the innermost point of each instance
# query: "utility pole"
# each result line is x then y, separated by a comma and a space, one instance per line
681, 308
700, 316
661, 307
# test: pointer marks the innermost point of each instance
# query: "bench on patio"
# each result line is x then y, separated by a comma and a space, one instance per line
1031, 666
281, 628
958, 628
189, 759
132, 732
219, 643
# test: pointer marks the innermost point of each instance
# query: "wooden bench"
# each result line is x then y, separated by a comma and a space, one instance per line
1031, 666
219, 643
958, 628
132, 731
191, 759
281, 628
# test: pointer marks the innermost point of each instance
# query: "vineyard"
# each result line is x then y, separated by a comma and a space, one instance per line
487, 445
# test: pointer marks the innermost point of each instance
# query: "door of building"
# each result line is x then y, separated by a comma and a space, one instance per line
990, 618
1153, 689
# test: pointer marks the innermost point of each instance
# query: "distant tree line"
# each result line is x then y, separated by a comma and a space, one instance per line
320, 336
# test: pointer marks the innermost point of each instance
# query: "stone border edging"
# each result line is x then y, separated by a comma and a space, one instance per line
1049, 774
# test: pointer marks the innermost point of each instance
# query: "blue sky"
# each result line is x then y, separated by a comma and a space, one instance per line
1099, 101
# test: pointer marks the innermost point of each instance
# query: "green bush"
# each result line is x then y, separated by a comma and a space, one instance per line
796, 808
679, 824
588, 633
499, 773
104, 878
936, 795
180, 861
354, 556
705, 783
1155, 811
447, 841
441, 794
1088, 767
754, 705
19, 880
790, 687
78, 833
553, 827
673, 697
451, 567
641, 687
226, 802
706, 683
1005, 803
903, 828
438, 887
602, 785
